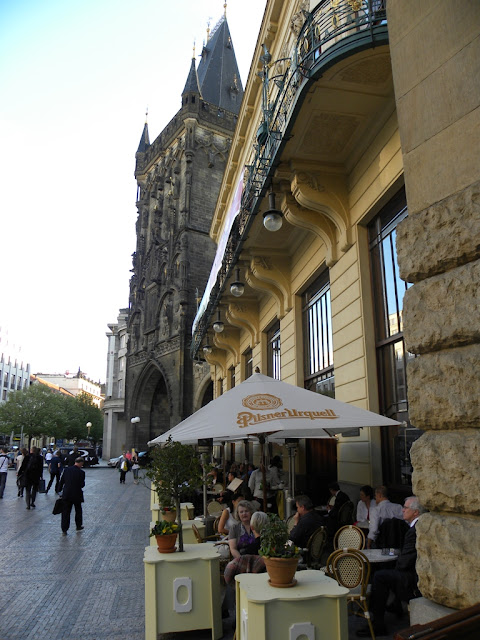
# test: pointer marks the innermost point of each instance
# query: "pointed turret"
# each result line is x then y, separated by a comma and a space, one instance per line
191, 85
218, 74
144, 140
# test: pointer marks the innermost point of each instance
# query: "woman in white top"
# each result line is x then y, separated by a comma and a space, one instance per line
364, 506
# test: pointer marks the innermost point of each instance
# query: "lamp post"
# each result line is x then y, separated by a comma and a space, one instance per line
135, 421
89, 426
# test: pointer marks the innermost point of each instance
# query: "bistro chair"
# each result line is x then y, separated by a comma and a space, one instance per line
346, 513
351, 569
290, 522
214, 508
349, 537
315, 547
215, 538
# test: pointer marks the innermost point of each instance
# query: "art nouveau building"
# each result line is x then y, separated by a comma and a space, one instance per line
359, 132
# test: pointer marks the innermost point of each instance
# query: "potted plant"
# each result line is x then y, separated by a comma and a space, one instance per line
174, 469
169, 513
166, 535
280, 554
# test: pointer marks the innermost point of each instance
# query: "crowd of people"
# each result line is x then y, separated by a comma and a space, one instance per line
242, 521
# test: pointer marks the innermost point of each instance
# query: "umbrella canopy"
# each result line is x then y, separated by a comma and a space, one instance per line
263, 405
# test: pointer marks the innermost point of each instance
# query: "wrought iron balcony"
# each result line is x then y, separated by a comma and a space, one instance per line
333, 30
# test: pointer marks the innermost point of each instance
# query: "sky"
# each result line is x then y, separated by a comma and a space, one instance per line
76, 78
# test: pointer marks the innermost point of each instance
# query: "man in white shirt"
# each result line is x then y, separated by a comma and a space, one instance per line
383, 509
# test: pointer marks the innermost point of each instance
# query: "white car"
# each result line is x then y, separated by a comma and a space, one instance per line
113, 461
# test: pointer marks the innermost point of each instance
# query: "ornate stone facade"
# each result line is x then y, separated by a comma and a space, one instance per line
178, 177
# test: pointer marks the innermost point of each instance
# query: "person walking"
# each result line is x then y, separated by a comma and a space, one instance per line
32, 468
72, 483
123, 466
20, 476
55, 467
135, 468
3, 470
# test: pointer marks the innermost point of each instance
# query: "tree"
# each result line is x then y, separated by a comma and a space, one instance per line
34, 410
79, 411
174, 468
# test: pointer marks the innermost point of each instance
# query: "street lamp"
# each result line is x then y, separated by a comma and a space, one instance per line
135, 421
89, 426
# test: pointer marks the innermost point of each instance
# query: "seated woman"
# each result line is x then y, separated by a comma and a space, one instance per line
229, 515
241, 535
249, 561
364, 506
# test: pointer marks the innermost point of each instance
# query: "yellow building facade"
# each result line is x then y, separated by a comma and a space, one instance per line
359, 129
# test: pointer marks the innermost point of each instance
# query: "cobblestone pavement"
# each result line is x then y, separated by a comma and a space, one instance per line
84, 586
87, 585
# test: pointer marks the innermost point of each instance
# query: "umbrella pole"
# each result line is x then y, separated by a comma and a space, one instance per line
261, 438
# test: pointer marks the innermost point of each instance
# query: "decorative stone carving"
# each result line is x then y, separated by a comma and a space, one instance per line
453, 230
443, 311
447, 470
298, 19
448, 562
456, 370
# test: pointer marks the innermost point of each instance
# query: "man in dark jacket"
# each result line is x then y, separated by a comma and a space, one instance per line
32, 470
402, 580
307, 521
55, 467
331, 520
72, 483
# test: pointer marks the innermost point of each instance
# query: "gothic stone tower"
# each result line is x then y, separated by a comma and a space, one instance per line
179, 177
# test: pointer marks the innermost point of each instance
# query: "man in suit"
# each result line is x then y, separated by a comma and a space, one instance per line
339, 498
72, 483
383, 510
402, 580
307, 521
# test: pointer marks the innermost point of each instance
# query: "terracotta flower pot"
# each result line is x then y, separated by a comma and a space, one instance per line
281, 571
166, 544
169, 516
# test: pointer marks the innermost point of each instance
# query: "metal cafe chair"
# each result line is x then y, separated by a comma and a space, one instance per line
351, 569
349, 537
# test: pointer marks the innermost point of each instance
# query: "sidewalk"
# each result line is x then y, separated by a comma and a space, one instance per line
87, 585
83, 586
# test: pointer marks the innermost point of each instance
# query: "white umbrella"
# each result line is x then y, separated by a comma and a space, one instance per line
262, 406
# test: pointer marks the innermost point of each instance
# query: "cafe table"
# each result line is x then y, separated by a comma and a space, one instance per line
376, 556
316, 607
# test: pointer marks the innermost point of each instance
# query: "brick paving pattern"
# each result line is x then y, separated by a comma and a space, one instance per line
87, 585
84, 586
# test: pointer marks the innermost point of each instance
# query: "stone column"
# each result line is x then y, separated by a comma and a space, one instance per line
435, 49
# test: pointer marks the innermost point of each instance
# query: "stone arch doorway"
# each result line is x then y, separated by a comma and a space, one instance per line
151, 403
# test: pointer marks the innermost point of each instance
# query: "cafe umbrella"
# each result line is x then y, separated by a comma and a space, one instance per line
263, 407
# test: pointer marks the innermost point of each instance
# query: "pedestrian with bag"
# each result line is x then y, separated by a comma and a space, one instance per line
71, 484
124, 467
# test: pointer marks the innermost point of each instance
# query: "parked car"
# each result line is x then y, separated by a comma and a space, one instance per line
113, 461
144, 458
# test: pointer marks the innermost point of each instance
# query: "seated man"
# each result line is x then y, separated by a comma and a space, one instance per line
383, 509
307, 521
402, 580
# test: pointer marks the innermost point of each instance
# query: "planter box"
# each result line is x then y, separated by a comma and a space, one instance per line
316, 607
182, 591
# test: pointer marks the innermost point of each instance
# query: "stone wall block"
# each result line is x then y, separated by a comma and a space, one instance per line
446, 471
443, 311
444, 387
448, 562
452, 228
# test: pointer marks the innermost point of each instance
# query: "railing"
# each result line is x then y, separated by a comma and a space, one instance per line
330, 31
